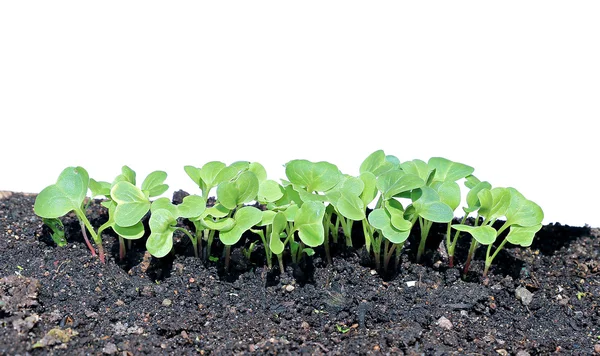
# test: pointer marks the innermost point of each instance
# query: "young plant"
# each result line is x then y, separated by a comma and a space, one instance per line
128, 204
312, 181
523, 217
473, 204
437, 200
163, 223
388, 217
66, 195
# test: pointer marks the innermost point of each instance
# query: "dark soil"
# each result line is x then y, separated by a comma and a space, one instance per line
63, 301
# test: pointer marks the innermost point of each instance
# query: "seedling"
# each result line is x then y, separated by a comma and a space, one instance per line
523, 217
58, 231
436, 201
66, 195
163, 223
127, 204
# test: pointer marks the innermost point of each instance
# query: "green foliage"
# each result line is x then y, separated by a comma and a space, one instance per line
301, 213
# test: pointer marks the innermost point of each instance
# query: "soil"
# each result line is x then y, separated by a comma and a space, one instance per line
62, 301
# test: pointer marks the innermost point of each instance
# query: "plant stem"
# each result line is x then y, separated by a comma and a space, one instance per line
227, 257
347, 228
121, 248
388, 252
472, 248
97, 240
425, 227
398, 254
368, 235
280, 259
489, 259
451, 243
192, 238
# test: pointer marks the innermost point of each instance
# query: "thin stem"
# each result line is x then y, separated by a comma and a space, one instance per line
280, 259
121, 248
389, 251
368, 235
489, 259
472, 248
399, 248
451, 245
347, 227
97, 240
425, 227
192, 238
227, 257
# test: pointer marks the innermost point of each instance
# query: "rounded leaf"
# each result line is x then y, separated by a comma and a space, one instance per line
269, 191
162, 225
319, 176
522, 235
242, 190
485, 234
245, 218
309, 223
279, 225
65, 195
132, 203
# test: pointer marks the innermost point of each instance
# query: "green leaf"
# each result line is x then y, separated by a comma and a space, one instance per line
395, 182
58, 230
376, 163
416, 167
267, 217
473, 202
521, 211
494, 202
279, 225
240, 191
194, 174
191, 207
162, 225
259, 170
345, 196
269, 191
429, 207
99, 188
245, 218
522, 235
218, 211
163, 203
381, 220
396, 214
153, 183
131, 232
132, 203
218, 225
485, 234
446, 170
65, 195
127, 175
309, 223
319, 176
370, 188
449, 193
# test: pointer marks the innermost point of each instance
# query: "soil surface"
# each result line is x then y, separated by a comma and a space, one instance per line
62, 301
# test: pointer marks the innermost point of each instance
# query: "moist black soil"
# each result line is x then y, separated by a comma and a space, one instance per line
62, 301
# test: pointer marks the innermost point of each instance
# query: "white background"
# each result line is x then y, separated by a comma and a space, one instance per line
511, 88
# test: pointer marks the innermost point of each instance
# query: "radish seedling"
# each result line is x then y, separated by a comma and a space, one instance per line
66, 195
523, 217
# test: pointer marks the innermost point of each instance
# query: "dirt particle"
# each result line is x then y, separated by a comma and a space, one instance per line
444, 323
110, 348
597, 349
167, 302
524, 295
289, 288
502, 352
